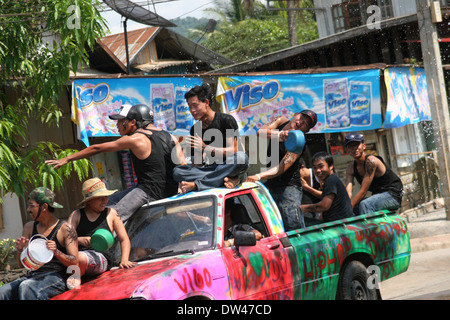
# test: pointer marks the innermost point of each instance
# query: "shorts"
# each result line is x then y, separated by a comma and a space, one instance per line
96, 262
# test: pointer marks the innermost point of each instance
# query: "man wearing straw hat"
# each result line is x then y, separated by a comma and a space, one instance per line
93, 215
154, 153
50, 279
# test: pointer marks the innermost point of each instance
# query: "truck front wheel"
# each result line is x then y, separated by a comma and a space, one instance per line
353, 283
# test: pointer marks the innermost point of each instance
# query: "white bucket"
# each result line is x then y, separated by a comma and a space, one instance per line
36, 254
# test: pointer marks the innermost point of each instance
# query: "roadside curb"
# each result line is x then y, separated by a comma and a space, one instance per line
441, 241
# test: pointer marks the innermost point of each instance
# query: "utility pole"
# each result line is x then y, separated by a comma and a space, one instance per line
437, 94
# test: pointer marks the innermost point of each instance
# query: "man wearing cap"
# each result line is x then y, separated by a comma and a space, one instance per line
373, 175
151, 153
283, 179
50, 279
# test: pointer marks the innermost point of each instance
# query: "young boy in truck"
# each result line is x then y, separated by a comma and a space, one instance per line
335, 203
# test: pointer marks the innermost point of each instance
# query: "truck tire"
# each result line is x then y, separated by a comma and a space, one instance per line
353, 283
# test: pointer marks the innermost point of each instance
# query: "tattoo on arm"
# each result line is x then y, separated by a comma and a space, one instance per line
67, 256
288, 158
370, 166
271, 122
71, 235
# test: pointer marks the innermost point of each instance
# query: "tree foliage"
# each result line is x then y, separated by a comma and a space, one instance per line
247, 30
41, 41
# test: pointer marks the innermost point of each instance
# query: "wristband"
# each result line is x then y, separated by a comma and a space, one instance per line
259, 177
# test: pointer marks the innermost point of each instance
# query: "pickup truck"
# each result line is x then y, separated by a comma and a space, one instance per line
179, 243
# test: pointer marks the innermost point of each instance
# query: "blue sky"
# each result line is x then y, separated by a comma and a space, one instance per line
168, 10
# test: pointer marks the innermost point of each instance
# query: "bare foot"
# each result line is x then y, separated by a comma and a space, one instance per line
186, 186
230, 183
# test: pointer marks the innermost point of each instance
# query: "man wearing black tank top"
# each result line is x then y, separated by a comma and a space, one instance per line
154, 153
373, 175
283, 178
50, 279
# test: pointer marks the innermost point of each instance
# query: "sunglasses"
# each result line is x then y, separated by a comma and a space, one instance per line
353, 137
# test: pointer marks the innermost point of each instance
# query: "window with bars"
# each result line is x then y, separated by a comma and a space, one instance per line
350, 14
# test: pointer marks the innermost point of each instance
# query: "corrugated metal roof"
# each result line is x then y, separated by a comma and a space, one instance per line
180, 47
137, 40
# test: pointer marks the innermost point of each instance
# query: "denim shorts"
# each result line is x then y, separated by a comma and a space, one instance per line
288, 200
376, 202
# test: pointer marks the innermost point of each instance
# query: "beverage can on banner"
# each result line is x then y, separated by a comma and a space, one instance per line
360, 98
337, 112
183, 117
163, 100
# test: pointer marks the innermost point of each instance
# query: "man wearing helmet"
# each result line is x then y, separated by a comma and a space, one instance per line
151, 153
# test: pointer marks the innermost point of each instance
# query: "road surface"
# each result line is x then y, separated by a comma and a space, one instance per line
427, 278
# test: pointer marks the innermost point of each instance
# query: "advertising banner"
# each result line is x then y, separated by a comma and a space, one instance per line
343, 101
407, 97
94, 99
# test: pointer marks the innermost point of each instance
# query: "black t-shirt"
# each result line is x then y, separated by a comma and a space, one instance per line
222, 127
341, 207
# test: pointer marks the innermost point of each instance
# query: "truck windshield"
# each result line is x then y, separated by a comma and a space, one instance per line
178, 226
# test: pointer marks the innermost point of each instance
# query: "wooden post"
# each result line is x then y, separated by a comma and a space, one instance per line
436, 93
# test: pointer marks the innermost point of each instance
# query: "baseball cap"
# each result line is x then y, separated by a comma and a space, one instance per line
353, 136
140, 112
312, 115
44, 195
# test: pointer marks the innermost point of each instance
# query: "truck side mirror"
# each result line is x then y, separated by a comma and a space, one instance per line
243, 238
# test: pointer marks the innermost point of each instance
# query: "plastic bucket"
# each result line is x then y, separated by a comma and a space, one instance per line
36, 254
295, 141
102, 239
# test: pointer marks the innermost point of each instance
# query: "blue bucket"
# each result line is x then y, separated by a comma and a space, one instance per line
295, 141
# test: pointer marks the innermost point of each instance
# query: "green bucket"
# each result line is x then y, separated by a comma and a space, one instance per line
102, 239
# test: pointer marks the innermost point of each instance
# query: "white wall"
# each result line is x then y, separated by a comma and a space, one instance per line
403, 7
12, 218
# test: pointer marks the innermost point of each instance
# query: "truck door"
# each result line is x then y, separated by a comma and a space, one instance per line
262, 271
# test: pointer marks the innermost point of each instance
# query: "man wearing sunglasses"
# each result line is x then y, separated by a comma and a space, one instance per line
373, 175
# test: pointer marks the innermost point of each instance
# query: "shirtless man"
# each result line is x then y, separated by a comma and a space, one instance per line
373, 175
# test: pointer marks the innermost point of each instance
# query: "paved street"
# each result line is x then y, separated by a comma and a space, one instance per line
428, 276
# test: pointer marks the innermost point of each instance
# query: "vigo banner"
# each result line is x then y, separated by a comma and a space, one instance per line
94, 99
407, 97
343, 101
